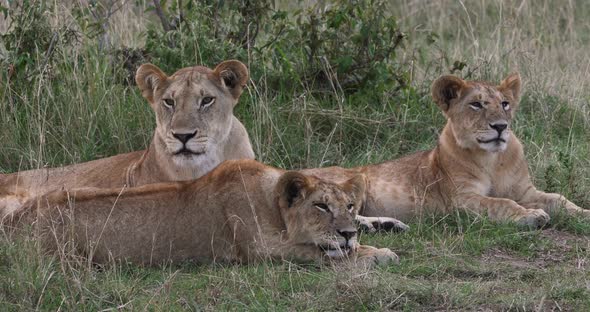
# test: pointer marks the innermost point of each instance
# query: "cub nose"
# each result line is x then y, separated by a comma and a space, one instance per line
500, 126
347, 234
184, 137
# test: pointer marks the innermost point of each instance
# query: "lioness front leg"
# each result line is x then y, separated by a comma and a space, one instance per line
552, 202
369, 256
502, 209
376, 224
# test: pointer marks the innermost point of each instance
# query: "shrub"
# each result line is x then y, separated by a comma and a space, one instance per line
344, 45
31, 43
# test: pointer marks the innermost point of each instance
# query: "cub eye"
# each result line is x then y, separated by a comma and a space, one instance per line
505, 105
169, 103
322, 207
207, 101
476, 105
350, 207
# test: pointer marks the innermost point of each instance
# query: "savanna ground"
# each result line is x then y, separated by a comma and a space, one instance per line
311, 102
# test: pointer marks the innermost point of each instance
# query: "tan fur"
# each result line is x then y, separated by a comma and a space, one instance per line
466, 170
218, 136
242, 211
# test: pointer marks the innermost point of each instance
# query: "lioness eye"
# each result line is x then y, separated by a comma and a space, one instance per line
350, 207
169, 103
476, 105
206, 101
322, 207
505, 105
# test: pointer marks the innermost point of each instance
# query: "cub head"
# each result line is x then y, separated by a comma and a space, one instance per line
319, 213
478, 113
194, 107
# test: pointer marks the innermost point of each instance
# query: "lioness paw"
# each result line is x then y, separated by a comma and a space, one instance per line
378, 224
369, 257
585, 213
534, 218
384, 256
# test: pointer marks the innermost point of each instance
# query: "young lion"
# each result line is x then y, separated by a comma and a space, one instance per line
478, 164
195, 131
242, 211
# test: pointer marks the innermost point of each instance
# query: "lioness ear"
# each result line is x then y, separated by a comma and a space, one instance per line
445, 89
511, 83
356, 186
234, 75
291, 186
149, 78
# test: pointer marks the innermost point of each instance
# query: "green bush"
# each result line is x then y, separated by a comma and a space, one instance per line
32, 42
349, 46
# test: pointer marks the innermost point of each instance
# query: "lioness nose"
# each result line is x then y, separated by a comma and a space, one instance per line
347, 234
184, 137
500, 126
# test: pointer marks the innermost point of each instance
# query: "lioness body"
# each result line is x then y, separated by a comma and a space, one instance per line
242, 211
478, 164
191, 137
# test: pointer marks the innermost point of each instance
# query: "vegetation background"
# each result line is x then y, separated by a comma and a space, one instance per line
334, 82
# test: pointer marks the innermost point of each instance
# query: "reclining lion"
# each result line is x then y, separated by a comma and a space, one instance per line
195, 131
478, 164
242, 211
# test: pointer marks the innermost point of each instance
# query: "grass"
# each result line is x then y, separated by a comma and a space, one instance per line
456, 262
447, 262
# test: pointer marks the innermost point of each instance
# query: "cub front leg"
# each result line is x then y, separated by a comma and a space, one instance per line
377, 224
552, 202
502, 209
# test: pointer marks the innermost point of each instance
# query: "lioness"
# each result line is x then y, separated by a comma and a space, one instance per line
195, 131
242, 211
478, 164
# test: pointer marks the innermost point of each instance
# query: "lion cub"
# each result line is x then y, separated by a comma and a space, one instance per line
478, 164
242, 211
195, 132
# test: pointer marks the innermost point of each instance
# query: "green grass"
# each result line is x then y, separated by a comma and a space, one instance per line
447, 262
454, 261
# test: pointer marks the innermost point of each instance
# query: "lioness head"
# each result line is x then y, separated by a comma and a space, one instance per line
479, 113
320, 213
194, 107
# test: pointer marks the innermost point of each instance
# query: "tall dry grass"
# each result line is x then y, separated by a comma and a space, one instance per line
545, 40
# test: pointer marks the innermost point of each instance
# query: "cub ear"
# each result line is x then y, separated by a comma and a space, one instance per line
234, 75
356, 186
512, 84
446, 88
149, 78
292, 186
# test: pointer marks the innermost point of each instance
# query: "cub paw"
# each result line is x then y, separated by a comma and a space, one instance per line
380, 224
534, 218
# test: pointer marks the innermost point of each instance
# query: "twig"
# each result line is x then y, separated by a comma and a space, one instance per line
162, 16
117, 308
268, 44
